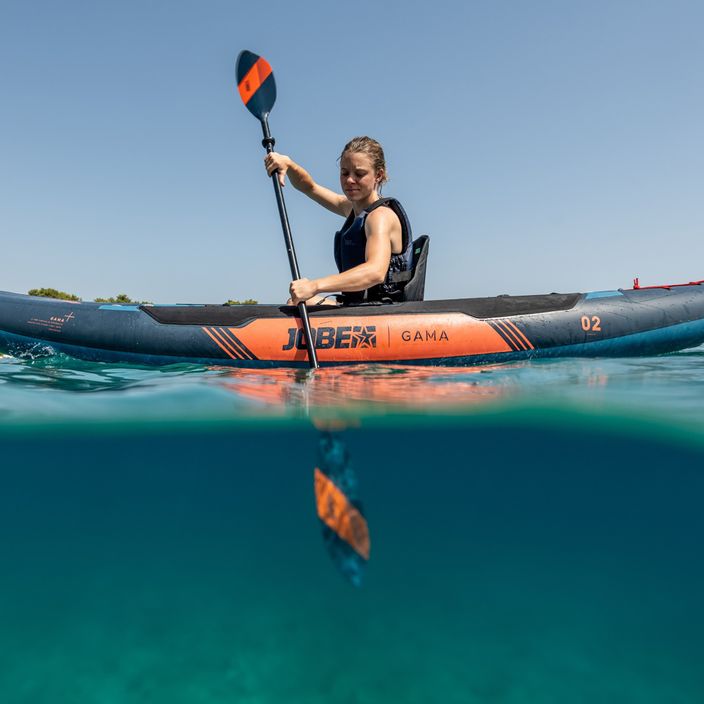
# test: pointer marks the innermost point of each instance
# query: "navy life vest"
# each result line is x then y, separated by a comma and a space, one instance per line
350, 251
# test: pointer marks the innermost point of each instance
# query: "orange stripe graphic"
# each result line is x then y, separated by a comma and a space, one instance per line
214, 339
227, 342
510, 335
236, 343
256, 75
338, 514
520, 334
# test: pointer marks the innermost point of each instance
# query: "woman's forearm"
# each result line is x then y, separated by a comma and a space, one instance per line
300, 179
358, 278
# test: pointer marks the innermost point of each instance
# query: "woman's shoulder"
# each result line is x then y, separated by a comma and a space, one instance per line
382, 215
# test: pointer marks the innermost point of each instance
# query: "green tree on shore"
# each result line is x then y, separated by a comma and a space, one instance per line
120, 298
53, 293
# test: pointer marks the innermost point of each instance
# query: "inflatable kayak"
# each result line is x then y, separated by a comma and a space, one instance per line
639, 321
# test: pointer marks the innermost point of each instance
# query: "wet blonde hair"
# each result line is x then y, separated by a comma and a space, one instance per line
374, 150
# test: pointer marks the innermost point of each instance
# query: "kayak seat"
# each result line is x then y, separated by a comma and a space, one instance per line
414, 290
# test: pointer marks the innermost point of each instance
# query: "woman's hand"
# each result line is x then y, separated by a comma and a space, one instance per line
301, 290
277, 162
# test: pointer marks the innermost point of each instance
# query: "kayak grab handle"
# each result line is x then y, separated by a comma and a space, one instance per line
638, 287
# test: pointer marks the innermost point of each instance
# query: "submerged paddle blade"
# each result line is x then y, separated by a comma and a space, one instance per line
345, 529
255, 82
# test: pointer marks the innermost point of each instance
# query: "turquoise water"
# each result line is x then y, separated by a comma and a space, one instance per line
536, 534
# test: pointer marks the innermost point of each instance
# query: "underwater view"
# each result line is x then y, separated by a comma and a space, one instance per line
527, 532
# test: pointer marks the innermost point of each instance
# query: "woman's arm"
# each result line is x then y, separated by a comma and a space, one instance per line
379, 226
303, 182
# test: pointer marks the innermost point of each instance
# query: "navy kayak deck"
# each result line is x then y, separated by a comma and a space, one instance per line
481, 308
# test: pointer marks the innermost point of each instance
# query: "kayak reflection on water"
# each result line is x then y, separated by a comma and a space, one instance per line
387, 387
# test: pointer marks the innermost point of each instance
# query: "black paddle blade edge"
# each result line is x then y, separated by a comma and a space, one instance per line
255, 83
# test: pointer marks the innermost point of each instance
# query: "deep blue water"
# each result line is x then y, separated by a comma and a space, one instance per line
536, 534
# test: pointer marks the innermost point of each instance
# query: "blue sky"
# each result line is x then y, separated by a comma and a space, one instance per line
545, 146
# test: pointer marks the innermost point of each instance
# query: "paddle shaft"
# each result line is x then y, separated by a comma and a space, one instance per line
268, 144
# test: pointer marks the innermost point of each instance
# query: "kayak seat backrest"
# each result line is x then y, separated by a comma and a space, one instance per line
414, 290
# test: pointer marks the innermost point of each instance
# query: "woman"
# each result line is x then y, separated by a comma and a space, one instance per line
373, 250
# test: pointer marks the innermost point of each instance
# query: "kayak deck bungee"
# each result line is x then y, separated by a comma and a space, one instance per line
633, 322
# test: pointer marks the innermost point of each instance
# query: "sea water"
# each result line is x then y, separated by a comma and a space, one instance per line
536, 534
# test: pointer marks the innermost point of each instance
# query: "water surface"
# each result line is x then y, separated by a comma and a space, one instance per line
536, 532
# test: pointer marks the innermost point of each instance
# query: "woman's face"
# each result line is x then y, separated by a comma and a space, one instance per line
357, 176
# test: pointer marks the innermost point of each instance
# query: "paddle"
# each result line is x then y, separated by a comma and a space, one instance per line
344, 526
257, 88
